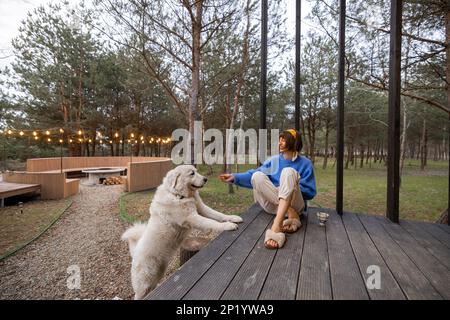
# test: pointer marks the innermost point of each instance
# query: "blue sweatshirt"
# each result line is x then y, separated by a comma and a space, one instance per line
301, 164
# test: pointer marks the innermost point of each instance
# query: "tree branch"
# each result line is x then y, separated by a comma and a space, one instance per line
404, 93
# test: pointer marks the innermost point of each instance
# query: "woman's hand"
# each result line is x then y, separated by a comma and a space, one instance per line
226, 177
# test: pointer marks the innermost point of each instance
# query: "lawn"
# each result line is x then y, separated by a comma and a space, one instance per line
423, 194
17, 229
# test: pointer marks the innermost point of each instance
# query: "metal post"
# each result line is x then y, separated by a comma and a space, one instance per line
340, 112
263, 89
393, 179
298, 19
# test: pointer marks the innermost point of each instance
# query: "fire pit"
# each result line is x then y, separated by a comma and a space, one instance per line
96, 176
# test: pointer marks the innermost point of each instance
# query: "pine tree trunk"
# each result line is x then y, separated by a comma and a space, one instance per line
325, 159
368, 154
349, 152
423, 147
377, 151
193, 114
362, 156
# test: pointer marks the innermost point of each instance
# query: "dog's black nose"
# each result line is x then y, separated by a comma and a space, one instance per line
205, 179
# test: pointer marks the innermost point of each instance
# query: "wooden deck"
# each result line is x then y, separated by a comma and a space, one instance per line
318, 262
8, 189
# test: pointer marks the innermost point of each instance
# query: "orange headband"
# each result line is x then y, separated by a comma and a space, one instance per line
293, 132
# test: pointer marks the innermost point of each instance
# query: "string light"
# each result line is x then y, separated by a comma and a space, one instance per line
49, 133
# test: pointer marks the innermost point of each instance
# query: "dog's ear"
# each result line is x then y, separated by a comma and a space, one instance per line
176, 180
172, 179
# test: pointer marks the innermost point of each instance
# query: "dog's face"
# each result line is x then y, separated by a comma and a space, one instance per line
184, 180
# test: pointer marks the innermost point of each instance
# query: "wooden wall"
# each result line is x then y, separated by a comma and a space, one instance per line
51, 164
147, 175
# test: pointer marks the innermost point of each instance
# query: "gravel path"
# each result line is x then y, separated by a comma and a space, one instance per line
86, 238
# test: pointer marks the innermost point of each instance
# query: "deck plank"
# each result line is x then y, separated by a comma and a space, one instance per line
314, 280
433, 245
10, 189
436, 232
444, 227
249, 280
367, 255
281, 283
181, 281
432, 268
347, 282
215, 281
413, 283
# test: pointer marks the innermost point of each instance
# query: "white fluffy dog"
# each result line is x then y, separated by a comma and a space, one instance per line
175, 209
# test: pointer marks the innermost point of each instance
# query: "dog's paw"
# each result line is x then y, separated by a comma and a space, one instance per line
235, 219
229, 226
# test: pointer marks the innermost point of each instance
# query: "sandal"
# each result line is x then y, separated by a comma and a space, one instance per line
278, 237
295, 224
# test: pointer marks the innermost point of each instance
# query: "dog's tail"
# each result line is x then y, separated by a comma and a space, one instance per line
133, 234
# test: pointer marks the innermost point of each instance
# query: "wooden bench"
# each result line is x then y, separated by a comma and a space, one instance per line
8, 190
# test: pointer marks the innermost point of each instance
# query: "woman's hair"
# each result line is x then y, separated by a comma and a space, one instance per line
293, 140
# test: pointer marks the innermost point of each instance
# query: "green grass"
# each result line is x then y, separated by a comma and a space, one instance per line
19, 229
423, 194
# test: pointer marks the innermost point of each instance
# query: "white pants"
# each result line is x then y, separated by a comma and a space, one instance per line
267, 195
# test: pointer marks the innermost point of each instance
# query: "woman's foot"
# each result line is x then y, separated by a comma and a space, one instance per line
294, 224
272, 244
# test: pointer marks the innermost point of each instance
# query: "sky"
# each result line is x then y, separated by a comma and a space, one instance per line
12, 12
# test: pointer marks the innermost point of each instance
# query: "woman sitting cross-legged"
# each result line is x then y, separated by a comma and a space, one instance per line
281, 186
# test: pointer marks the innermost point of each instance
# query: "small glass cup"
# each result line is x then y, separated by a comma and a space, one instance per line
323, 218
